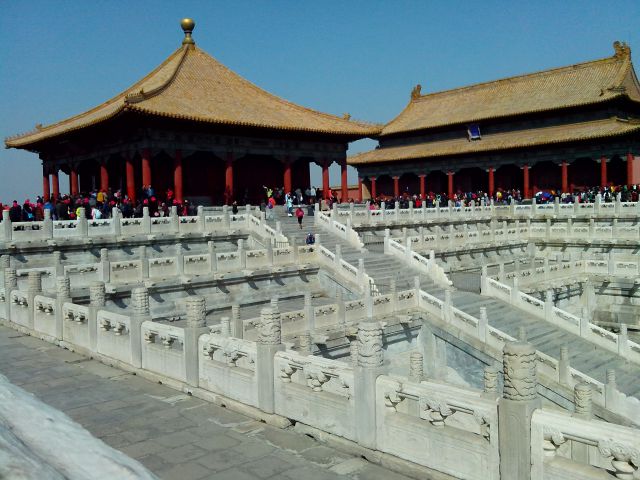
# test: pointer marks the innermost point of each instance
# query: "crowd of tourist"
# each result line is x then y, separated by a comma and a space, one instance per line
99, 204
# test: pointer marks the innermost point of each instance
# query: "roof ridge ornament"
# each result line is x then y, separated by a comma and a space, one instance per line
415, 93
187, 25
621, 49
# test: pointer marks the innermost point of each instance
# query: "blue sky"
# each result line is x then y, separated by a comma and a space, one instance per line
60, 58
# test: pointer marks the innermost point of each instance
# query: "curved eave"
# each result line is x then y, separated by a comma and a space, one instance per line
363, 132
501, 117
361, 159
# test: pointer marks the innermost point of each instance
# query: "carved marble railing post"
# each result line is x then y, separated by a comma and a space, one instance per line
270, 252
57, 262
583, 400
268, 344
211, 248
522, 333
34, 287
47, 224
202, 227
83, 226
63, 294
342, 311
483, 324
273, 303
146, 221
564, 367
5, 262
7, 224
393, 292
611, 392
144, 262
174, 219
237, 326
309, 314
97, 300
116, 225
179, 259
141, 313
515, 409
416, 367
293, 243
305, 346
360, 275
225, 326
370, 366
490, 380
105, 265
353, 352
242, 254
196, 326
10, 284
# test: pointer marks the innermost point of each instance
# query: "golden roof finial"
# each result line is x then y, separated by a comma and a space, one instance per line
187, 25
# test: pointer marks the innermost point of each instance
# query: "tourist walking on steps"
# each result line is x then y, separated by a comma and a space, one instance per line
299, 216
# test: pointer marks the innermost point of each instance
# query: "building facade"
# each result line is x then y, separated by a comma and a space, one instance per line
560, 129
195, 127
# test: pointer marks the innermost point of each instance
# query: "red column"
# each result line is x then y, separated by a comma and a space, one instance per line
104, 177
630, 169
55, 184
46, 192
491, 182
525, 187
603, 171
131, 179
422, 186
177, 176
287, 176
344, 187
359, 189
450, 184
74, 185
228, 179
146, 167
374, 194
396, 186
565, 177
325, 180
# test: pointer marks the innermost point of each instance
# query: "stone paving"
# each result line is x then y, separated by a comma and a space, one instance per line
174, 435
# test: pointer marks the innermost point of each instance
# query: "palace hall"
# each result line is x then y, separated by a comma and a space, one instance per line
559, 129
193, 126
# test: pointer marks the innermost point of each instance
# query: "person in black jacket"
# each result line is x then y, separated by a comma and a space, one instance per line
15, 212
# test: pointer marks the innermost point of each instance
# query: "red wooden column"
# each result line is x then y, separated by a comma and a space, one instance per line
146, 167
104, 176
344, 187
131, 178
55, 184
177, 176
491, 182
287, 176
603, 171
396, 187
450, 184
525, 186
46, 192
228, 178
74, 184
630, 169
422, 186
360, 189
565, 176
374, 194
325, 179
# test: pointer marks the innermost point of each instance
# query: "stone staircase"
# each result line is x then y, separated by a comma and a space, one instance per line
583, 355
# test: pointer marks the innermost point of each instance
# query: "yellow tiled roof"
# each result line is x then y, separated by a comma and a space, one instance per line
575, 85
192, 85
500, 141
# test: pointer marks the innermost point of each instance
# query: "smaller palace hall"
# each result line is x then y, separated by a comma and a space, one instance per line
570, 127
193, 126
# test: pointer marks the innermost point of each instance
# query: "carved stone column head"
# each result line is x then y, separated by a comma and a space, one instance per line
63, 287
583, 397
10, 279
140, 301
196, 311
520, 381
269, 328
34, 282
97, 294
370, 351
490, 379
416, 366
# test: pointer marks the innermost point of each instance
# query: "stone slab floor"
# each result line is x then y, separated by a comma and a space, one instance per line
174, 435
